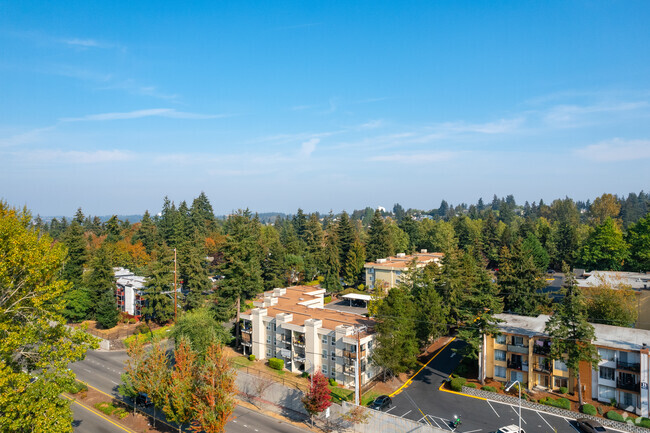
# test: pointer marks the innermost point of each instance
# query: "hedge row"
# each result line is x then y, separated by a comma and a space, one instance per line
562, 402
457, 383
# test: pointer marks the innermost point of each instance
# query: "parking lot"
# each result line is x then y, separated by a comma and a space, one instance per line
423, 401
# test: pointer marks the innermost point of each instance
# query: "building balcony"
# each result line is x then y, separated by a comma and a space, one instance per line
247, 330
542, 368
353, 355
299, 358
517, 366
626, 385
246, 343
299, 343
518, 349
629, 366
541, 350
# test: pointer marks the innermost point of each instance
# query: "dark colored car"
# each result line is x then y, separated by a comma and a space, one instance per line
382, 402
590, 426
143, 399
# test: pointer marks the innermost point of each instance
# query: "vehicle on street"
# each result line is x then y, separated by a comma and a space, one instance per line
512, 428
456, 421
382, 402
590, 426
143, 399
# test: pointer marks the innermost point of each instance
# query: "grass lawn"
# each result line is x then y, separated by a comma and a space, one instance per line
368, 397
340, 394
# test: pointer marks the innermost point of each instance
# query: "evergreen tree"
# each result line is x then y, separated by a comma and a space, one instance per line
379, 245
353, 269
147, 233
168, 221
565, 240
491, 241
533, 247
300, 224
520, 282
159, 306
193, 272
638, 237
443, 209
571, 334
314, 255
430, 316
332, 280
77, 304
100, 280
107, 313
345, 236
413, 229
399, 212
79, 217
112, 228
75, 241
396, 347
202, 215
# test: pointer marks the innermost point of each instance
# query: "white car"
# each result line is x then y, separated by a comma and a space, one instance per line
510, 429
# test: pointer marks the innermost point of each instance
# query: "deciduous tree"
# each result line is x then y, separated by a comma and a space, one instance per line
178, 406
319, 397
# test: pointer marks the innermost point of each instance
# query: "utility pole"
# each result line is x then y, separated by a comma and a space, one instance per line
357, 378
175, 302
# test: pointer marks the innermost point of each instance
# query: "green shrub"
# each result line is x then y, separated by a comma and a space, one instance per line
588, 409
304, 374
612, 401
251, 357
489, 388
563, 403
327, 299
105, 407
333, 382
470, 385
563, 390
146, 337
78, 387
276, 364
121, 413
454, 375
600, 410
644, 422
457, 383
614, 416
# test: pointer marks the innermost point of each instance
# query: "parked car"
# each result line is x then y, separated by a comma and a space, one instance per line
143, 399
382, 402
512, 428
590, 426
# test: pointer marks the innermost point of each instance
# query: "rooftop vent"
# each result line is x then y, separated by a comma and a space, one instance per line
401, 254
381, 260
423, 250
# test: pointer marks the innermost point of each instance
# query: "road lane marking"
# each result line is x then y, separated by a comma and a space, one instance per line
406, 413
473, 431
492, 407
517, 413
544, 419
391, 409
98, 414
444, 422
408, 382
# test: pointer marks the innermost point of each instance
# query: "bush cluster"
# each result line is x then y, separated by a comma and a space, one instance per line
489, 388
470, 385
563, 390
78, 387
457, 383
614, 416
276, 364
588, 409
251, 357
562, 403
105, 407
643, 422
333, 382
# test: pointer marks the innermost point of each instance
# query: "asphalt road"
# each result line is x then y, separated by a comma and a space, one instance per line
423, 401
102, 370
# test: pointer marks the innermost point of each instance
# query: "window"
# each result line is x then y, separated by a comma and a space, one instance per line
333, 341
333, 374
628, 399
324, 339
516, 375
607, 354
333, 353
499, 371
501, 339
324, 353
559, 382
559, 365
324, 369
518, 341
268, 325
606, 393
606, 373
268, 352
499, 355
268, 339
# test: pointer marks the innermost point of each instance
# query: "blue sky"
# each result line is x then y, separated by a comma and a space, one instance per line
321, 105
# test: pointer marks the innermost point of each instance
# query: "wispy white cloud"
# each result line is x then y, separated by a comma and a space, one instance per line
308, 147
616, 150
82, 42
577, 115
79, 157
25, 137
415, 158
138, 114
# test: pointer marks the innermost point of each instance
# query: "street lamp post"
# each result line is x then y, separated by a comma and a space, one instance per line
519, 388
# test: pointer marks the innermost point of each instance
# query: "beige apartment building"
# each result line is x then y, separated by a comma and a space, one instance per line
521, 353
387, 273
292, 324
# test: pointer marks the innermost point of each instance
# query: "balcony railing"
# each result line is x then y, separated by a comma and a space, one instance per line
353, 355
543, 368
517, 349
627, 385
630, 366
541, 350
518, 365
247, 330
299, 343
